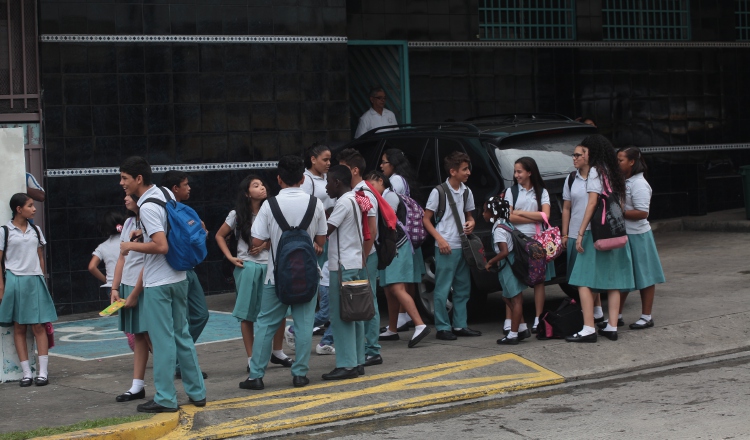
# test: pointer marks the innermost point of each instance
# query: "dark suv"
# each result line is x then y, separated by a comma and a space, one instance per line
493, 143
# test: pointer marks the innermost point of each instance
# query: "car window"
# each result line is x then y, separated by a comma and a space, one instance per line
446, 147
370, 150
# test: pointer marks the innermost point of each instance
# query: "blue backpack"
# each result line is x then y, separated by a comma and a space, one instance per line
185, 234
295, 267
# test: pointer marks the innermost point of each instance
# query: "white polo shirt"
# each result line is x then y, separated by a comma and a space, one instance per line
578, 198
373, 212
371, 119
392, 198
22, 257
156, 270
316, 186
108, 252
293, 204
134, 260
526, 202
243, 250
348, 236
500, 235
32, 183
637, 196
447, 226
398, 184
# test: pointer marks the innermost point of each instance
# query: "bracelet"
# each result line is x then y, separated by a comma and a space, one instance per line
115, 290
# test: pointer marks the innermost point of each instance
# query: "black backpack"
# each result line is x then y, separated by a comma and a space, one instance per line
5, 244
565, 321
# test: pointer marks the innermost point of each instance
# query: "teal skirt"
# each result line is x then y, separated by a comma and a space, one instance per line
131, 320
549, 273
249, 282
401, 269
418, 265
602, 270
511, 285
26, 301
647, 269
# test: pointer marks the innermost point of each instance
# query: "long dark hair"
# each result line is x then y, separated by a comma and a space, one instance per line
402, 167
634, 153
602, 156
16, 201
315, 150
242, 207
111, 223
537, 182
377, 175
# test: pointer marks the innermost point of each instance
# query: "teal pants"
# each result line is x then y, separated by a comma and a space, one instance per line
196, 306
349, 336
372, 327
272, 312
166, 320
451, 270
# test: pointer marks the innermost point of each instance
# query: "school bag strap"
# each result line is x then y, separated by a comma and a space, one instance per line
162, 203
571, 179
279, 217
6, 232
442, 190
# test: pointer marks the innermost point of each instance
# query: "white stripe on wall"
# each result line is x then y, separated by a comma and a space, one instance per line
262, 39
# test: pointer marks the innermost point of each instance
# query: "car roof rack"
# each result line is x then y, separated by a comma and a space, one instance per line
463, 127
516, 117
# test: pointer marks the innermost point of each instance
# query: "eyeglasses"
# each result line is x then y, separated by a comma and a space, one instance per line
379, 98
576, 155
384, 163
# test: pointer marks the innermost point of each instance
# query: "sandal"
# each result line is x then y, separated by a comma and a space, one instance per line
26, 382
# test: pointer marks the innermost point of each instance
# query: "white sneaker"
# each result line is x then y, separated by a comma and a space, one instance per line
289, 338
324, 349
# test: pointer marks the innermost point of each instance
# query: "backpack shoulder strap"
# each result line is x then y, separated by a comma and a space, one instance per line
514, 193
466, 197
5, 243
307, 219
441, 203
571, 179
38, 236
277, 215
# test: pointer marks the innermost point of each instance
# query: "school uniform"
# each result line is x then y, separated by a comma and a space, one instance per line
293, 204
511, 285
647, 270
108, 252
250, 278
401, 269
451, 269
372, 327
344, 264
578, 197
316, 186
601, 270
527, 202
400, 186
165, 300
132, 320
26, 299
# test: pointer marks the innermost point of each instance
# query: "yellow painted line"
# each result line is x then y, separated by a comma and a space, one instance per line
155, 427
273, 409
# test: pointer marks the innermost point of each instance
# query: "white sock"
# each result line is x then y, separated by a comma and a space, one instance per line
387, 332
43, 362
506, 324
598, 313
586, 330
249, 360
609, 328
536, 321
280, 354
26, 368
512, 335
417, 330
403, 318
138, 385
522, 327
646, 318
619, 316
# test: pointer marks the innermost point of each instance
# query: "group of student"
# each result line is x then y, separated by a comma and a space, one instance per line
338, 207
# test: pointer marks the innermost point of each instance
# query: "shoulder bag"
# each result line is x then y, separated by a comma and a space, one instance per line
608, 221
355, 297
471, 245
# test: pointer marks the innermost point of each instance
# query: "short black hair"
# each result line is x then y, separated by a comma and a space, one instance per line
454, 160
291, 169
109, 222
341, 173
137, 166
351, 157
173, 178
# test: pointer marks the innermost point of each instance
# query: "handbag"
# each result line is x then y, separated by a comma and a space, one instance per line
471, 245
355, 297
608, 222
549, 238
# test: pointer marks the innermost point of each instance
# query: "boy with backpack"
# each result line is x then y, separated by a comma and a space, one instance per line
165, 293
451, 269
293, 222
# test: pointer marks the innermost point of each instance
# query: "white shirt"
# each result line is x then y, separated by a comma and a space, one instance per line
108, 252
348, 236
637, 196
594, 182
324, 275
500, 235
527, 202
32, 183
392, 198
316, 186
578, 198
373, 212
293, 204
134, 260
243, 249
156, 270
22, 257
371, 119
398, 184
447, 226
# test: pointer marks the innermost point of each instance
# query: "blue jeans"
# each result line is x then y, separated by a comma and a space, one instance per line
321, 317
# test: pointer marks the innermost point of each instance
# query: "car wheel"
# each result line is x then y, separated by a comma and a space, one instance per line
426, 292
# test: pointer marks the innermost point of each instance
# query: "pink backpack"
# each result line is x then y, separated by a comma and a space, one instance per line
549, 238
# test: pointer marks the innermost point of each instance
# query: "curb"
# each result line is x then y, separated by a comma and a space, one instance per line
722, 221
155, 427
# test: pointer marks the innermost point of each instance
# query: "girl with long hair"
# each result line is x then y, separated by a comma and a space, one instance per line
108, 251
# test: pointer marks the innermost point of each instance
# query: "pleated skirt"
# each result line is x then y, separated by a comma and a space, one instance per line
418, 265
26, 301
401, 269
647, 269
602, 270
132, 320
249, 282
511, 285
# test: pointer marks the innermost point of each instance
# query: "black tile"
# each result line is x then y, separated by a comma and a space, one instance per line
108, 150
185, 58
158, 88
213, 118
158, 58
189, 149
285, 21
285, 58
215, 147
130, 59
286, 87
55, 150
57, 221
103, 89
313, 115
312, 86
238, 116
77, 121
161, 150
61, 288
239, 147
101, 19
106, 120
132, 89
76, 90
102, 59
263, 116
133, 145
74, 58
212, 87
209, 20
334, 91
78, 154
234, 20
212, 58
265, 146
260, 20
288, 115
129, 19
49, 19
160, 119
156, 20
187, 118
132, 120
53, 120
73, 18
49, 58
239, 85
183, 19
52, 89
186, 88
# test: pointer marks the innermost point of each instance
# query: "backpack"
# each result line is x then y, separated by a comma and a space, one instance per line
5, 243
565, 321
529, 257
571, 179
389, 238
295, 268
412, 220
185, 234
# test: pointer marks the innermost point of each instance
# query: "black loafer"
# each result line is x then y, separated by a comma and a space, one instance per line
127, 396
341, 374
41, 381
578, 338
300, 381
603, 324
508, 341
505, 332
523, 335
373, 360
445, 335
406, 327
415, 340
26, 382
199, 403
598, 320
153, 407
283, 362
466, 332
636, 326
252, 384
360, 370
393, 337
611, 335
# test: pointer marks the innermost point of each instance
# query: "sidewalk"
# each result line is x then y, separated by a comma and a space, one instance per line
701, 312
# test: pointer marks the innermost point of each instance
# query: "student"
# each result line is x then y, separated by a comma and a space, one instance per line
394, 278
647, 269
293, 203
323, 315
345, 261
24, 298
128, 285
451, 269
525, 215
611, 270
165, 296
108, 251
250, 265
197, 309
356, 164
497, 211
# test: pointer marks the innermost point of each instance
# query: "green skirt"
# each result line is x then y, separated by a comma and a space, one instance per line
418, 265
132, 320
401, 269
511, 285
249, 281
647, 269
602, 270
26, 301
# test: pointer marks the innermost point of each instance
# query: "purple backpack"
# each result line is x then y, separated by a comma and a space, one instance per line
413, 225
529, 257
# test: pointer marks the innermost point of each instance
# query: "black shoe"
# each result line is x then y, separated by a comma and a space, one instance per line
198, 403
445, 335
508, 341
611, 335
505, 332
373, 360
248, 368
26, 382
283, 362
523, 335
406, 327
415, 340
360, 370
319, 331
252, 384
636, 326
393, 337
203, 373
41, 381
533, 329
598, 320
300, 381
466, 332
604, 323
127, 396
578, 338
153, 407
341, 374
